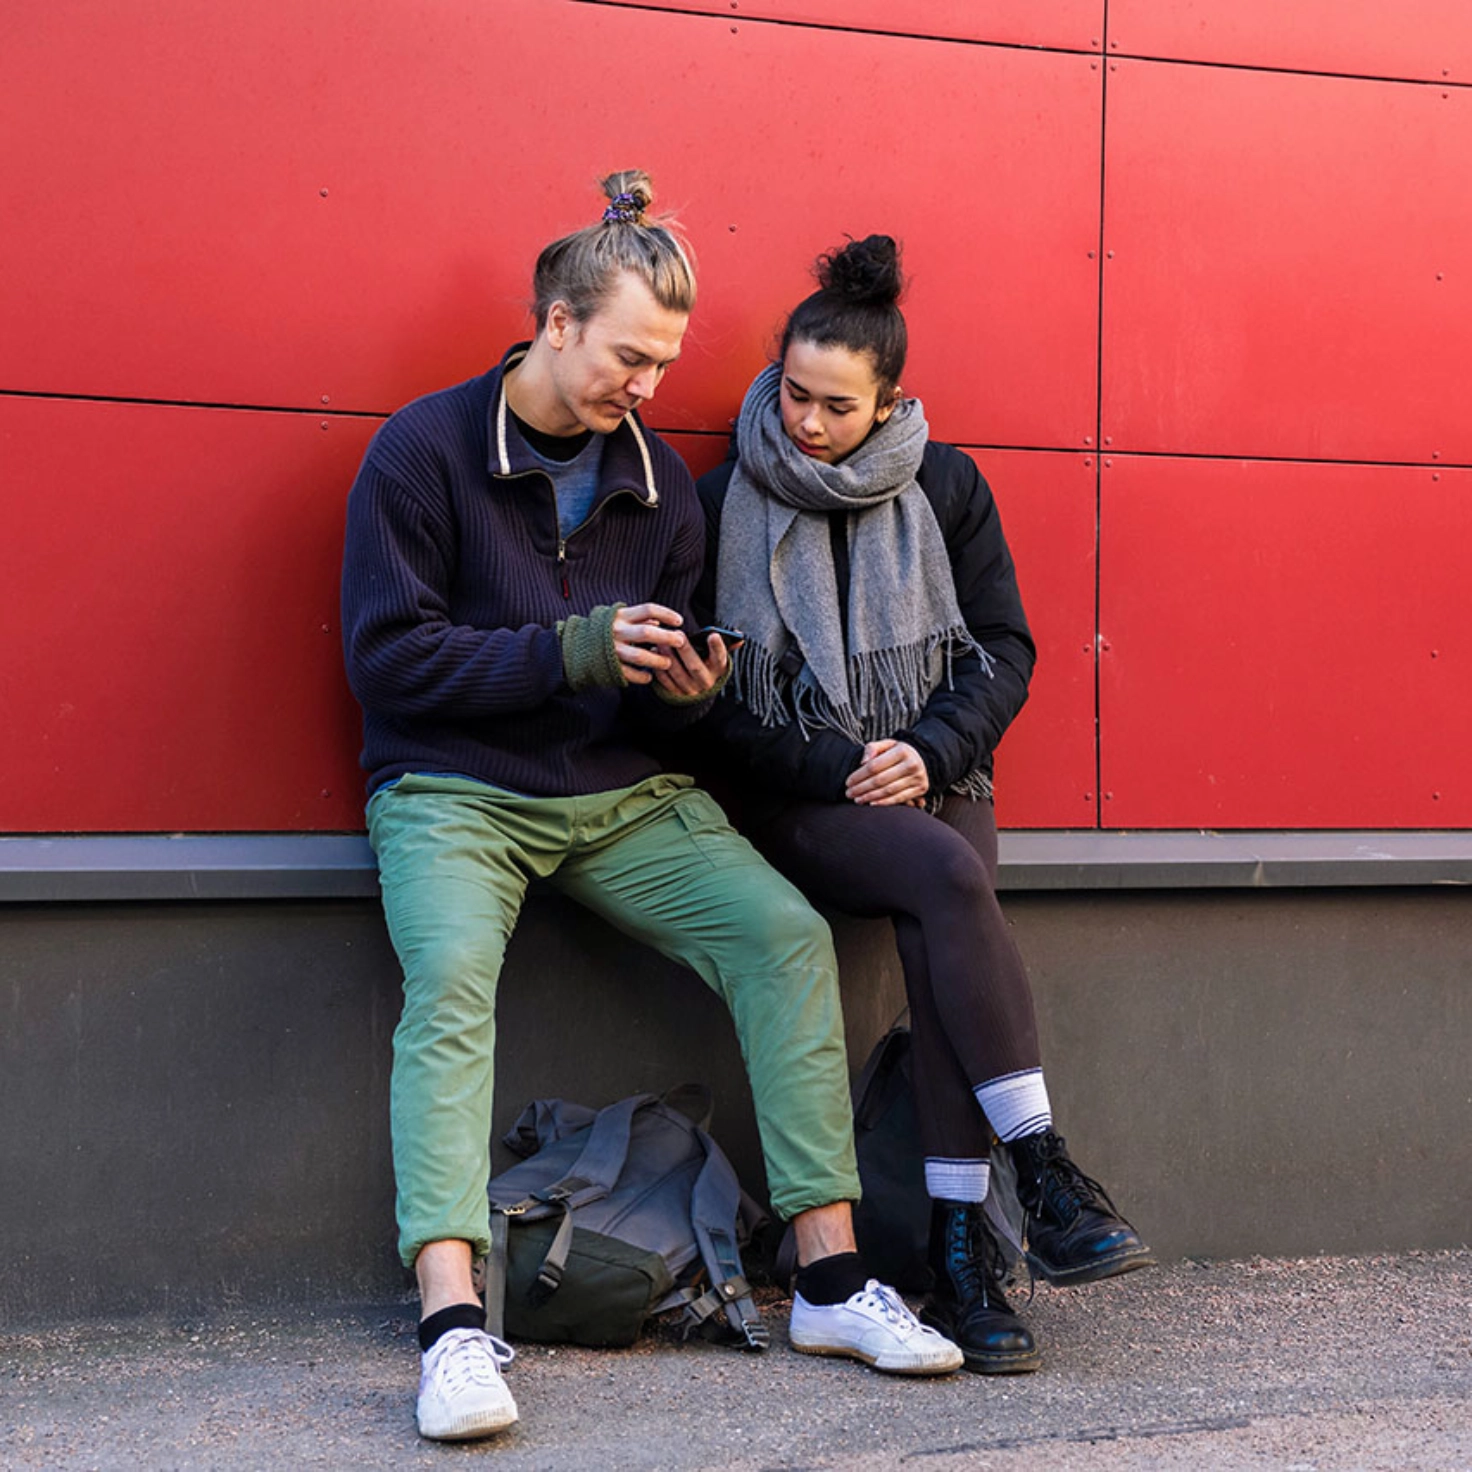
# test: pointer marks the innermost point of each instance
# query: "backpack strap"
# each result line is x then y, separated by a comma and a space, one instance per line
593, 1175
715, 1202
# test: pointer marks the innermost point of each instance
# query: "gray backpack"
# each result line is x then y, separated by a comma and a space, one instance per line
617, 1214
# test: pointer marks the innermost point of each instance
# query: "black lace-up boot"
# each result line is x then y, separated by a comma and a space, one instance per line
1074, 1232
966, 1304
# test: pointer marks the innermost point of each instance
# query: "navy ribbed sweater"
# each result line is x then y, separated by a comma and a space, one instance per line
455, 576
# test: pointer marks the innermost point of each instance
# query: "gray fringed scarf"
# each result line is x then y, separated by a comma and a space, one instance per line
775, 578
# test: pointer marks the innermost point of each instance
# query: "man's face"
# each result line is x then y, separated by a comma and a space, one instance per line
614, 361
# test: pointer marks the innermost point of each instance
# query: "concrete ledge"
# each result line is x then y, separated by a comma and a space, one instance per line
123, 867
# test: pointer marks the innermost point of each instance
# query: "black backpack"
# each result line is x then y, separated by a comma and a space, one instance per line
892, 1219
617, 1214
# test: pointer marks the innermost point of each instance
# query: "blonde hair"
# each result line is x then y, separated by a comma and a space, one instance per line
580, 269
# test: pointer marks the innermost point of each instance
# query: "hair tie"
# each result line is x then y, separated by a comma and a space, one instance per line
623, 209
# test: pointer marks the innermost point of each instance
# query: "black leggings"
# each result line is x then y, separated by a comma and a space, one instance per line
971, 1009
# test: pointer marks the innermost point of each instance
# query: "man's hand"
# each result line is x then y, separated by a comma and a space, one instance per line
891, 774
689, 676
641, 635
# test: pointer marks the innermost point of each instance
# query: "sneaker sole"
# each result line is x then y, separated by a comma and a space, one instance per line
876, 1362
1093, 1272
471, 1428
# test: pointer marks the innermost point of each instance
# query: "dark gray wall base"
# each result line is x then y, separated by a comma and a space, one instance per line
193, 1096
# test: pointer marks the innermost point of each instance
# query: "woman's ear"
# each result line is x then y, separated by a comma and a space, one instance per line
885, 410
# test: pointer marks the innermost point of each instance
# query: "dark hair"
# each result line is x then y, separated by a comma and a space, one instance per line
580, 269
856, 306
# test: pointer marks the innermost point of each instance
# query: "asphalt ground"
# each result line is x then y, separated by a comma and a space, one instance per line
1297, 1365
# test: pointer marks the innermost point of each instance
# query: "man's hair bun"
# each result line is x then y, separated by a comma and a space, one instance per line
864, 272
630, 194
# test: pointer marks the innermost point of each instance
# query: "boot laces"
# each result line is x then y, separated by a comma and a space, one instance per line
1066, 1187
980, 1260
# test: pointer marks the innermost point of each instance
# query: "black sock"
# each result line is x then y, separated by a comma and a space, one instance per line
832, 1279
457, 1316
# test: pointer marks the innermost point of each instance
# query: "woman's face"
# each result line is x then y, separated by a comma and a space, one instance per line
830, 399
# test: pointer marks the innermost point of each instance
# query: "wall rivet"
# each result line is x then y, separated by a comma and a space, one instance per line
1088, 439
324, 424
323, 193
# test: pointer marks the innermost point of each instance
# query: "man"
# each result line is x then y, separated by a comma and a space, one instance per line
520, 554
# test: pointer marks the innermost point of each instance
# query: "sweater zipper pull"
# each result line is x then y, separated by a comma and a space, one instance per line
562, 567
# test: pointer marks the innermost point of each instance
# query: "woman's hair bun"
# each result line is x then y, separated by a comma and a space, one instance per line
865, 272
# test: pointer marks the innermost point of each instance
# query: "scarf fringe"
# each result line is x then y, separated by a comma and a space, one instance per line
888, 686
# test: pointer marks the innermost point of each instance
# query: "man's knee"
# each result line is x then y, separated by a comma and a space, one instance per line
453, 976
787, 931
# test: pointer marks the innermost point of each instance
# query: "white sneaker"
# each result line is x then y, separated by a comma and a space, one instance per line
874, 1326
461, 1392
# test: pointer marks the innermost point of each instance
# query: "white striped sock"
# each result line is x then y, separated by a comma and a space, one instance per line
957, 1180
1016, 1104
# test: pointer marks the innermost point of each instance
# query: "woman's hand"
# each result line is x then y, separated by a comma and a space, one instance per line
644, 639
688, 675
891, 774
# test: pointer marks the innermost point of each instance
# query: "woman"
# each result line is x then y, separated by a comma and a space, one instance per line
886, 652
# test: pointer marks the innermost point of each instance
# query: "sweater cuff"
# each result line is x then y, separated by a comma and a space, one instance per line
588, 658
673, 697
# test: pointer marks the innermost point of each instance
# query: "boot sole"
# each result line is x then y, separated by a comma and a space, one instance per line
1092, 1272
1020, 1363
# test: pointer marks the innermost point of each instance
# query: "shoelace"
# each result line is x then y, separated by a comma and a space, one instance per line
983, 1257
464, 1362
1070, 1188
891, 1305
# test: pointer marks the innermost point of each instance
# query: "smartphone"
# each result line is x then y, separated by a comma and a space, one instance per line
730, 637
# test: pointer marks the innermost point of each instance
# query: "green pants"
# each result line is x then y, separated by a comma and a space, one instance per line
660, 862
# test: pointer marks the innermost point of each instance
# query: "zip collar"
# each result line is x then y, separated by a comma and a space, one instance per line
618, 442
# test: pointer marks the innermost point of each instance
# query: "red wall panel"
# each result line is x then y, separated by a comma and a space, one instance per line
176, 242
1045, 764
1285, 646
1074, 24
168, 587
1426, 39
1287, 266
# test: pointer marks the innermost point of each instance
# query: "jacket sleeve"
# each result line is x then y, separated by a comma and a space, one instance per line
779, 758
404, 656
964, 720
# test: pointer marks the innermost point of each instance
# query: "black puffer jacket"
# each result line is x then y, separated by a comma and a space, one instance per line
962, 722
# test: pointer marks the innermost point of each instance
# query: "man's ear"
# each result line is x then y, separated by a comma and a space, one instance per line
560, 323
